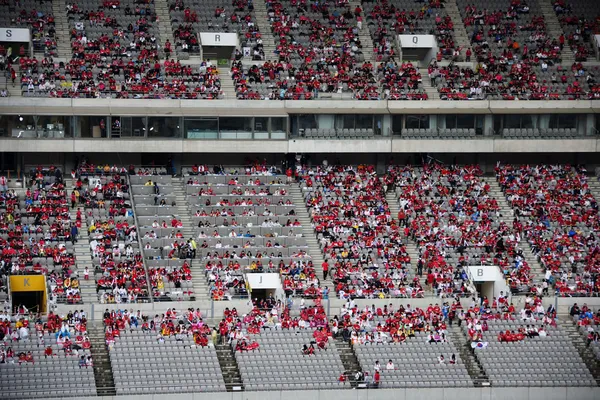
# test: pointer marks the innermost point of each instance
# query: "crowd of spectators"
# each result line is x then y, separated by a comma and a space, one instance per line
400, 82
283, 81
387, 18
515, 29
116, 52
588, 323
36, 231
579, 20
101, 195
388, 324
317, 51
35, 16
248, 225
170, 325
190, 17
54, 335
524, 81
167, 251
457, 83
513, 53
449, 212
269, 314
357, 234
558, 215
477, 320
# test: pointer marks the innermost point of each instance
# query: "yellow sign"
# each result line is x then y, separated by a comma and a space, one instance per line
27, 283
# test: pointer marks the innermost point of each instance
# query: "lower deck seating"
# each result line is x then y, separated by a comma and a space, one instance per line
416, 363
535, 361
174, 366
47, 377
279, 363
41, 364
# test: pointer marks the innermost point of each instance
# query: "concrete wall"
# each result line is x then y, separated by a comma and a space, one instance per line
172, 108
523, 393
333, 305
374, 146
210, 309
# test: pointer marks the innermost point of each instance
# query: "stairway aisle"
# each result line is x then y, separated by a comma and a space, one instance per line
594, 186
461, 37
63, 35
83, 256
411, 247
508, 216
103, 373
349, 360
229, 368
314, 250
554, 30
184, 213
432, 92
164, 24
567, 325
227, 85
468, 356
364, 35
264, 26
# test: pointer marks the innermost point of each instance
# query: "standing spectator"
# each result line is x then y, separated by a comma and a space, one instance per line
74, 233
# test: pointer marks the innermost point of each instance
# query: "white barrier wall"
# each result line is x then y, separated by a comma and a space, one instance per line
489, 393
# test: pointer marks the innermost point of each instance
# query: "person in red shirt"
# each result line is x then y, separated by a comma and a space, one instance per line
325, 267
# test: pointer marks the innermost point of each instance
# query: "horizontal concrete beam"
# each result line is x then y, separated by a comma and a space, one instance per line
128, 107
374, 146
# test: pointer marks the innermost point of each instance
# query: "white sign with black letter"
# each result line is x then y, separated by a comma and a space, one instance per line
218, 39
263, 281
417, 41
14, 35
483, 273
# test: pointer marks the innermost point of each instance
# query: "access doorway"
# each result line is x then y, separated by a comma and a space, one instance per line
33, 301
28, 291
263, 294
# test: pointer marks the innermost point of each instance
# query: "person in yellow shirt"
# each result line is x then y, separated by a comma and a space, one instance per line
194, 246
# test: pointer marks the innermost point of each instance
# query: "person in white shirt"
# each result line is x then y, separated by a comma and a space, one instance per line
377, 367
390, 366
